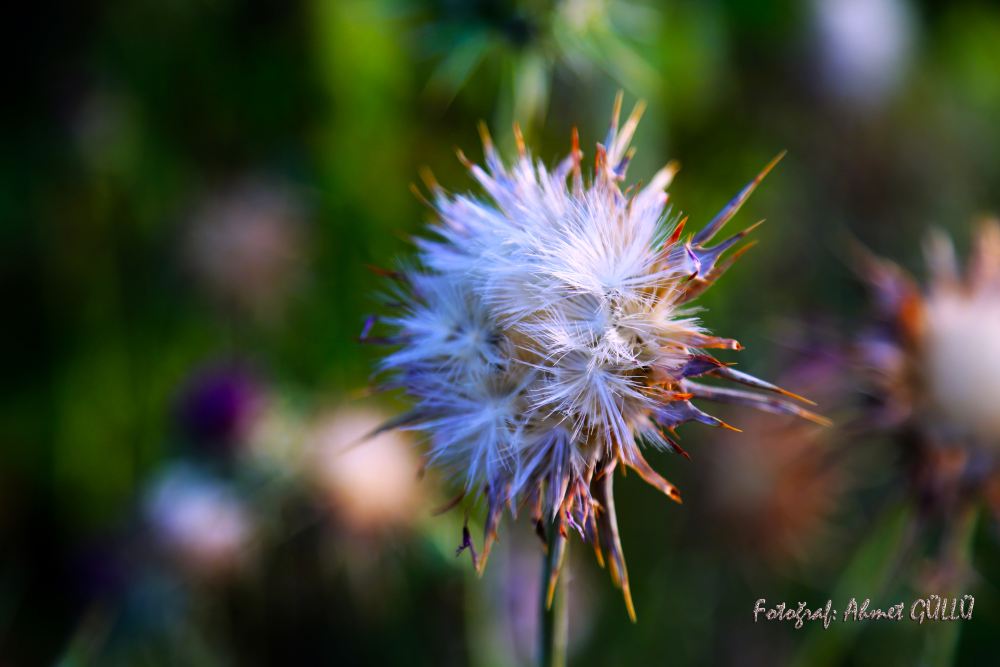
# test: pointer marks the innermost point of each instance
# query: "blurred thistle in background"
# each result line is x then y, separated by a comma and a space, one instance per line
371, 489
933, 381
371, 484
244, 246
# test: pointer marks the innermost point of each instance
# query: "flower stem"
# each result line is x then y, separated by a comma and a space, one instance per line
941, 642
554, 618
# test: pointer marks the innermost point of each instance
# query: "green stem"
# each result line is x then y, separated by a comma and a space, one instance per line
941, 642
554, 620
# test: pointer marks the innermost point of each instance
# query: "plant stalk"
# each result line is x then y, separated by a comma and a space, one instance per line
554, 619
941, 642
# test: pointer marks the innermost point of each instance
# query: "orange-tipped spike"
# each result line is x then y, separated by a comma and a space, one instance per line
557, 548
490, 529
736, 255
770, 166
419, 195
427, 176
753, 400
516, 509
673, 444
484, 135
577, 158
733, 206
599, 555
749, 380
592, 534
625, 136
599, 160
752, 227
795, 396
461, 158
449, 506
519, 138
705, 341
677, 233
652, 477
616, 113
638, 186
815, 418
627, 593
385, 273
601, 488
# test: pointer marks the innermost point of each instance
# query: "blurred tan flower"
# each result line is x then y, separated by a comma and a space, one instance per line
245, 245
370, 484
370, 488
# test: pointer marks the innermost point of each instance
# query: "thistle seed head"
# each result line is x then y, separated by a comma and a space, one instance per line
934, 375
961, 315
926, 373
547, 333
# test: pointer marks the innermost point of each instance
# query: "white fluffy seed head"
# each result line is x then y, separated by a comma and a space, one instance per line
544, 325
545, 336
961, 315
939, 369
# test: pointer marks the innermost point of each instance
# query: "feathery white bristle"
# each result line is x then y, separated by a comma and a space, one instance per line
537, 320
